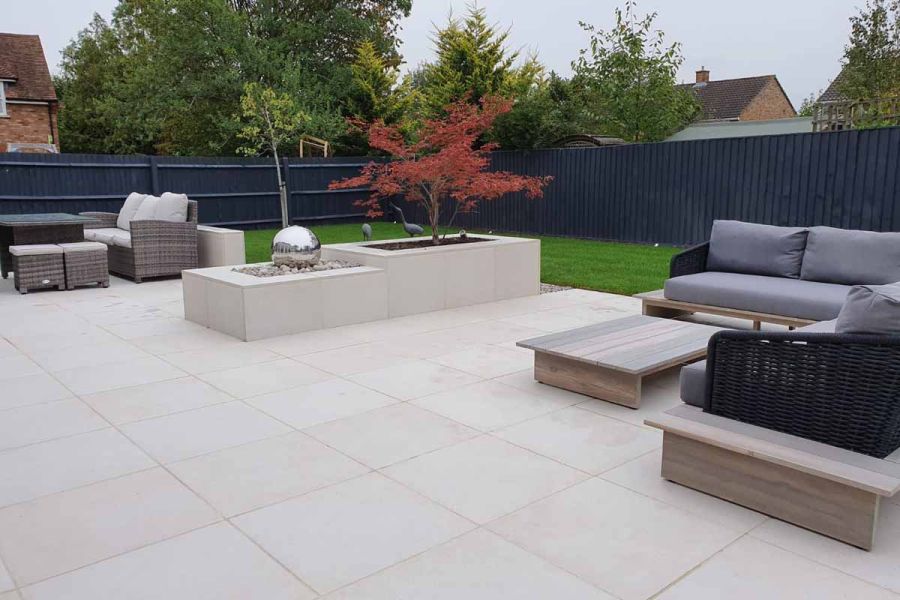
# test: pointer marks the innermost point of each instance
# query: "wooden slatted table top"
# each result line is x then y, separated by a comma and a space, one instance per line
636, 344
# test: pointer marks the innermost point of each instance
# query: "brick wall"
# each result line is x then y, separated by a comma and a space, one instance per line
28, 123
771, 103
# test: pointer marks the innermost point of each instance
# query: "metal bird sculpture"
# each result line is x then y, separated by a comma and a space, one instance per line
410, 228
367, 232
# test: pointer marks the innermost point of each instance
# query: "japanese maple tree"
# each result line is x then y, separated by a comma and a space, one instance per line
444, 164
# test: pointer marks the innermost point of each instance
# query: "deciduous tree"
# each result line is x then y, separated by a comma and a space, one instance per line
872, 56
443, 166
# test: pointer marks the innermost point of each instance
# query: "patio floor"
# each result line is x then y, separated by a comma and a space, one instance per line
142, 456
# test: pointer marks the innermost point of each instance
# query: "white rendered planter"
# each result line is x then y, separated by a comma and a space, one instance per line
255, 308
435, 278
391, 283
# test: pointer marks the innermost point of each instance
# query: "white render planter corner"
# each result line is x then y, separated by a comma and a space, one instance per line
254, 308
427, 279
390, 283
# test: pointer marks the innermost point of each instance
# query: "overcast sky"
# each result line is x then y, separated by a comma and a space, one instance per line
800, 41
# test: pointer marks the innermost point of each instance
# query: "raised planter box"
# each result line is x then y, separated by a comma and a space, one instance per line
219, 247
391, 283
427, 279
255, 308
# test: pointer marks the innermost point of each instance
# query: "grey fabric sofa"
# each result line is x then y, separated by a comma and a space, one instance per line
803, 273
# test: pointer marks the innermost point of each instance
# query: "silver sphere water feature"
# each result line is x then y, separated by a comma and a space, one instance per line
296, 247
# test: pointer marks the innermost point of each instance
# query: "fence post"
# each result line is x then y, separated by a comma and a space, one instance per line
286, 168
154, 175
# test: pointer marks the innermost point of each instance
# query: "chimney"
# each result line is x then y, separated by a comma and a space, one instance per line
703, 75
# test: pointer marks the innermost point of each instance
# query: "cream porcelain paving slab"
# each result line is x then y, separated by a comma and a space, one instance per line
220, 358
525, 381
489, 405
309, 342
476, 566
17, 365
484, 478
549, 323
31, 389
100, 378
6, 582
388, 435
192, 433
212, 563
58, 533
63, 359
354, 359
335, 536
265, 378
42, 422
41, 469
6, 348
642, 475
155, 326
422, 345
486, 361
10, 596
622, 542
49, 341
751, 569
880, 566
180, 342
240, 479
590, 313
414, 379
322, 402
125, 405
582, 439
491, 332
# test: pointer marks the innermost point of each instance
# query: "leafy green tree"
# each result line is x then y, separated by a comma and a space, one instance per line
872, 56
629, 73
809, 106
272, 122
473, 62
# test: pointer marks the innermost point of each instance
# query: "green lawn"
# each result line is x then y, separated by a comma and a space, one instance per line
605, 266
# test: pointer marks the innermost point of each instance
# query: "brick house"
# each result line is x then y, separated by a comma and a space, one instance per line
28, 103
746, 99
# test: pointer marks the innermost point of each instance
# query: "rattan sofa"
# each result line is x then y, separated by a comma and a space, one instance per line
152, 248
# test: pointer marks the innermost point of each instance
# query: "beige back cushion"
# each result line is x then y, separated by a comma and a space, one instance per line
172, 207
132, 203
147, 210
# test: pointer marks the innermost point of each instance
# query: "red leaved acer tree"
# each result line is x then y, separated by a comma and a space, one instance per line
442, 165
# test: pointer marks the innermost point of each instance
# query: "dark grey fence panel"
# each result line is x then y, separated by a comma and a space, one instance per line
667, 193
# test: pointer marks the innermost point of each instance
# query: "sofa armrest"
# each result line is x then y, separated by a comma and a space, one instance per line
102, 220
838, 389
692, 260
164, 243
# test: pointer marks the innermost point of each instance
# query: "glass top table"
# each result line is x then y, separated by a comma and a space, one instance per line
42, 218
43, 228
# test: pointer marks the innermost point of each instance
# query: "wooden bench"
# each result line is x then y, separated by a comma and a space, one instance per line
655, 304
826, 489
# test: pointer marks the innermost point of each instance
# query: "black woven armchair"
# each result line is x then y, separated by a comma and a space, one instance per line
838, 389
692, 260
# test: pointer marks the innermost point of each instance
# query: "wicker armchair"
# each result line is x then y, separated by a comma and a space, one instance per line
690, 261
158, 248
838, 389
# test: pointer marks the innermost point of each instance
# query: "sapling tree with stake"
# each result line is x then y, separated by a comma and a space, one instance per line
272, 120
445, 163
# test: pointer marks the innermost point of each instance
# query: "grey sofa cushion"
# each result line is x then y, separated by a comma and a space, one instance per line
871, 309
773, 295
820, 327
738, 247
172, 208
147, 210
692, 383
851, 257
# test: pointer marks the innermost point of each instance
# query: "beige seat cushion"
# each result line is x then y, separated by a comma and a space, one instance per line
83, 247
131, 206
35, 250
111, 236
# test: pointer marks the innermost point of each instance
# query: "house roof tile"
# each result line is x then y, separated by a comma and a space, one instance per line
728, 98
22, 59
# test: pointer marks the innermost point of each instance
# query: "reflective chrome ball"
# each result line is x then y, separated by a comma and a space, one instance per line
296, 247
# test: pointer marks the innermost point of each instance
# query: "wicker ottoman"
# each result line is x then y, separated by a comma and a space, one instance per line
86, 264
38, 266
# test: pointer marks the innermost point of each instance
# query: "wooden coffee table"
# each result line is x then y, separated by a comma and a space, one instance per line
609, 360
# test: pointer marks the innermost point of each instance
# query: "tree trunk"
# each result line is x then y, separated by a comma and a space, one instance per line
434, 217
282, 190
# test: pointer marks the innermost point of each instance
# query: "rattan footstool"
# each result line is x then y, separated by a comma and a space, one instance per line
86, 264
38, 266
